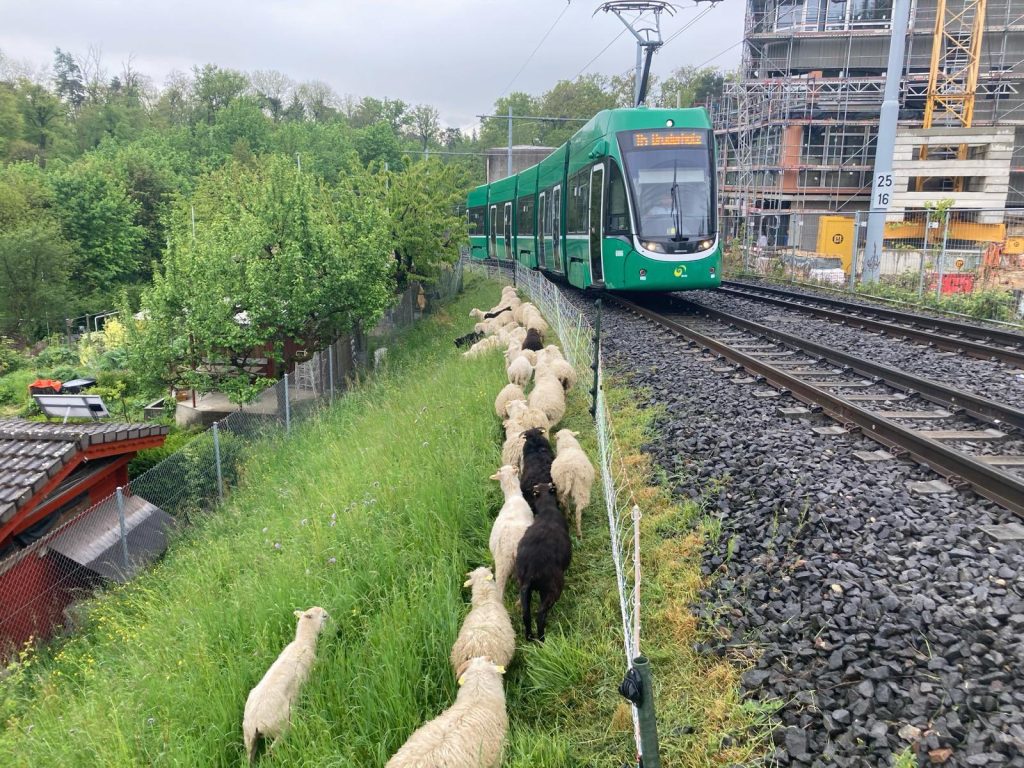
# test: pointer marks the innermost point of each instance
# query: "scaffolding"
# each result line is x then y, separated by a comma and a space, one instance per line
796, 131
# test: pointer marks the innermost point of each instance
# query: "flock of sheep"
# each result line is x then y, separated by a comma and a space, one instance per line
529, 539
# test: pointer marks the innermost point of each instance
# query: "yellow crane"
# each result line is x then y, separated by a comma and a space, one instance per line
953, 78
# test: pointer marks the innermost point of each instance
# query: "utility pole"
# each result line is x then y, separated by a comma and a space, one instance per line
881, 182
648, 37
509, 166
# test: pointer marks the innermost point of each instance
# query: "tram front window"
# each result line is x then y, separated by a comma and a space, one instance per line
670, 176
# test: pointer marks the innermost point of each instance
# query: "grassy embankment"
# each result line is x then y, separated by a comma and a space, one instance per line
375, 511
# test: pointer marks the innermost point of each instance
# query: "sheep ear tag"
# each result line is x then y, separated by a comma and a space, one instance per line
467, 583
490, 576
297, 614
500, 668
462, 679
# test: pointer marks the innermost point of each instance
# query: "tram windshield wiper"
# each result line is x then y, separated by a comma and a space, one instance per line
677, 212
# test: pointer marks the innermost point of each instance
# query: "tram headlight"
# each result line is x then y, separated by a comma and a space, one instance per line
656, 247
705, 244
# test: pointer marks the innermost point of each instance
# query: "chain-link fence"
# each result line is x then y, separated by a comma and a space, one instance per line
49, 568
577, 337
959, 260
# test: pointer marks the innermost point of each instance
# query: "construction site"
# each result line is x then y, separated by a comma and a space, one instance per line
797, 130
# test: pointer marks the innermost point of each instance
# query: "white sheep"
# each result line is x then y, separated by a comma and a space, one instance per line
530, 317
470, 733
517, 311
515, 349
519, 371
513, 519
550, 352
508, 393
522, 417
512, 449
557, 367
573, 474
548, 396
269, 706
517, 334
487, 628
486, 345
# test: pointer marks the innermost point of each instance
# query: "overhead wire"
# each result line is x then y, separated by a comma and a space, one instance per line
537, 48
600, 53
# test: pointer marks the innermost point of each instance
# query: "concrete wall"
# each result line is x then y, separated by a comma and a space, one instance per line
522, 158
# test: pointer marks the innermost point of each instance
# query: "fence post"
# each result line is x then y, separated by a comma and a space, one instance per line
596, 362
330, 369
942, 255
646, 715
853, 253
924, 254
287, 408
216, 456
124, 529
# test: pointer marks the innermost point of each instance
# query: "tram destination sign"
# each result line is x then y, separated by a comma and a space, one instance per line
663, 138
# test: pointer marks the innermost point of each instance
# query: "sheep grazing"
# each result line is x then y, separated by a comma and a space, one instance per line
469, 338
530, 317
487, 629
512, 449
519, 371
548, 395
522, 417
269, 706
508, 393
534, 340
558, 368
573, 474
515, 349
513, 519
483, 346
470, 733
543, 558
537, 459
518, 334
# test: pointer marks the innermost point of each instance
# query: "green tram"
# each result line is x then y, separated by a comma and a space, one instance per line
629, 203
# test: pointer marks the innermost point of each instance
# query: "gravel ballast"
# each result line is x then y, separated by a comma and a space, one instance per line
877, 618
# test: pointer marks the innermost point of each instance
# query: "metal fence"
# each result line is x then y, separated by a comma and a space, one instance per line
42, 585
965, 261
576, 334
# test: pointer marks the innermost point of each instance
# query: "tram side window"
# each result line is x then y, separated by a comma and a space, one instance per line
525, 223
618, 205
579, 205
476, 221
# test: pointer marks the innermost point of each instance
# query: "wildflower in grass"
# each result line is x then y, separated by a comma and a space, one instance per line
303, 521
277, 545
332, 560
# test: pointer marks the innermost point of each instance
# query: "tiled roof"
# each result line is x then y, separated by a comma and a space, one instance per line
31, 452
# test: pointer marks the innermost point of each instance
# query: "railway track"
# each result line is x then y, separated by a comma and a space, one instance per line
972, 340
956, 433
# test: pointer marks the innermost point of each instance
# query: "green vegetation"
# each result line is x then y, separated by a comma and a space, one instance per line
375, 510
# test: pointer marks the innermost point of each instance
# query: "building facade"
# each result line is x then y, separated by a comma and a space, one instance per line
796, 131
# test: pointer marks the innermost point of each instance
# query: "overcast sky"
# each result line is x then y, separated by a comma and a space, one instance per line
458, 55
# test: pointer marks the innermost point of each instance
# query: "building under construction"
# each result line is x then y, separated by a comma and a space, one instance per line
797, 130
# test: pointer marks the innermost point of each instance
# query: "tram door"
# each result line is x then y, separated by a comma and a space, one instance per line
492, 245
596, 223
556, 221
542, 229
508, 231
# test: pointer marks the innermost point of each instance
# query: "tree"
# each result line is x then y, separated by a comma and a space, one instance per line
97, 216
276, 257
378, 144
273, 91
215, 88
319, 100
692, 87
426, 228
12, 122
392, 111
34, 262
581, 98
425, 124
42, 115
67, 78
494, 131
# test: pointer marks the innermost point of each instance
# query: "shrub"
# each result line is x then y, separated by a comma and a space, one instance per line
10, 358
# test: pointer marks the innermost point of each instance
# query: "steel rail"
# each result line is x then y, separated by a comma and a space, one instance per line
951, 327
1001, 487
955, 399
977, 349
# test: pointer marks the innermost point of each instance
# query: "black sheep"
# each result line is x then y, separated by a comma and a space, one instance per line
534, 340
469, 339
536, 465
543, 558
489, 315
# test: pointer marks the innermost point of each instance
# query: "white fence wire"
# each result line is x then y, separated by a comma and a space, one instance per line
577, 336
